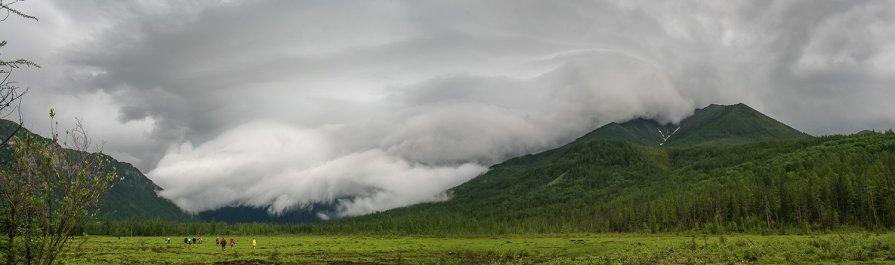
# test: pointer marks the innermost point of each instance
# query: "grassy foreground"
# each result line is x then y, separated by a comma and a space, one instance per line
857, 248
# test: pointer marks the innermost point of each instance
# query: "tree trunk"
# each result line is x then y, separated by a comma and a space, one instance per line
28, 240
10, 249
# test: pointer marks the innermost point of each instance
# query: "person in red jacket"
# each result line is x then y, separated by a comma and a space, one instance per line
232, 243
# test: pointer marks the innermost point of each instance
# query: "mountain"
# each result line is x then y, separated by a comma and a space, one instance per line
713, 124
640, 131
133, 196
726, 168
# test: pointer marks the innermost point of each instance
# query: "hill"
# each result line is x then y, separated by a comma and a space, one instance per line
134, 196
727, 168
731, 124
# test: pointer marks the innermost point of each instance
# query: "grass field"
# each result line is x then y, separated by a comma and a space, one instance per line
856, 248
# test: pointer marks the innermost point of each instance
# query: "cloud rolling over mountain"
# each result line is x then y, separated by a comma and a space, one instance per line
376, 105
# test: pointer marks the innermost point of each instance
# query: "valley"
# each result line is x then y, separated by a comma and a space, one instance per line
726, 185
447, 132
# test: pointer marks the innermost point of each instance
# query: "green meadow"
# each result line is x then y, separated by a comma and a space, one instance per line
853, 248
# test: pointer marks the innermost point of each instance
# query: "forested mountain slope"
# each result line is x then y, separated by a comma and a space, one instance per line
732, 172
134, 196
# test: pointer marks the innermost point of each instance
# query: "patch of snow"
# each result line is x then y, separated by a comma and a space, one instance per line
664, 137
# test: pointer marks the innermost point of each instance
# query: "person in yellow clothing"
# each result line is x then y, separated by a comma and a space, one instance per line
254, 243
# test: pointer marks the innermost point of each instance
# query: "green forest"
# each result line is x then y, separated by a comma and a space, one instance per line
819, 184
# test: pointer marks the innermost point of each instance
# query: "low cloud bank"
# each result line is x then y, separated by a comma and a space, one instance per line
432, 136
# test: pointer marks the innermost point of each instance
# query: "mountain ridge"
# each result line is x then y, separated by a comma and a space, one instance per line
634, 139
694, 130
730, 124
597, 185
132, 196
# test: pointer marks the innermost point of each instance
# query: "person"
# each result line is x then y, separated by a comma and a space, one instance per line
217, 241
254, 243
232, 243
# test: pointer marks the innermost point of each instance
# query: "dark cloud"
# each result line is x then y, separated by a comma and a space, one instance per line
389, 103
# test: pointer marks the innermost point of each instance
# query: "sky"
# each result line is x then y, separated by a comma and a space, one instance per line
372, 105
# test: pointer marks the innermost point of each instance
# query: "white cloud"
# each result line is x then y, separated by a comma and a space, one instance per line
429, 137
270, 164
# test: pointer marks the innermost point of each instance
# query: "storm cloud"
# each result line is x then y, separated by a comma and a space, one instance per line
380, 104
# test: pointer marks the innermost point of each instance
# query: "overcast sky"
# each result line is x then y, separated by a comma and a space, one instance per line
380, 104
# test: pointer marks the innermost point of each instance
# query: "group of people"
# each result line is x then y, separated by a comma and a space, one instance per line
188, 240
223, 243
217, 242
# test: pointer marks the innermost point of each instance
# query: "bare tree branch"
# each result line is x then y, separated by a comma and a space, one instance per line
9, 9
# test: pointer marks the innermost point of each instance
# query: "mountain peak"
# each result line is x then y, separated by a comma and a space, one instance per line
737, 123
